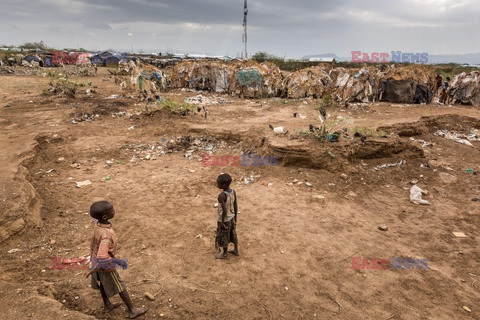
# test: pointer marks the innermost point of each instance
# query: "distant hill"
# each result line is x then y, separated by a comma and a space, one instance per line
470, 58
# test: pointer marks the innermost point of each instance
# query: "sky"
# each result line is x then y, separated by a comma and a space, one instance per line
284, 28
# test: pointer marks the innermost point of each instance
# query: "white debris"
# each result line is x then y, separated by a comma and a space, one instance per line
389, 165
85, 183
416, 195
278, 130
458, 137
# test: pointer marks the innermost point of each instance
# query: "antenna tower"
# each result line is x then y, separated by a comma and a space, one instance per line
244, 37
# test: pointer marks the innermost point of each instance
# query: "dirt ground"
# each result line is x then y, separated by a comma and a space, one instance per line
296, 241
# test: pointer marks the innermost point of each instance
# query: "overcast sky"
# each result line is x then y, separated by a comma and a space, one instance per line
285, 28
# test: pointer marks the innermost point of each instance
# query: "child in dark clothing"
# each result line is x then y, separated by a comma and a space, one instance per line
103, 272
227, 217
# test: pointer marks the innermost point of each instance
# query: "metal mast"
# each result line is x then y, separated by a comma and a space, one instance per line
244, 38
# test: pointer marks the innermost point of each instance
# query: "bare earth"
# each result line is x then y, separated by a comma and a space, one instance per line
295, 246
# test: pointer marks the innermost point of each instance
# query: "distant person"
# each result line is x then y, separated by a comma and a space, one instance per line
445, 91
438, 80
103, 270
227, 217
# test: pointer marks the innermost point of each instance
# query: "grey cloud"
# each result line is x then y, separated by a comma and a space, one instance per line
294, 28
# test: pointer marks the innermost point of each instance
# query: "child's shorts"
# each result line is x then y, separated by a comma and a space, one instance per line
225, 235
111, 282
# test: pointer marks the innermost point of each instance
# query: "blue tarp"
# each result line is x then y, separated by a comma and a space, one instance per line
250, 78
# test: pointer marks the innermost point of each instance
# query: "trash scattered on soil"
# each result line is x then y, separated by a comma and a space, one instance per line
149, 296
467, 309
459, 234
278, 129
389, 165
85, 183
416, 195
459, 137
383, 228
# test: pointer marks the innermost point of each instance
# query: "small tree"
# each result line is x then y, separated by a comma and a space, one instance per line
261, 56
34, 45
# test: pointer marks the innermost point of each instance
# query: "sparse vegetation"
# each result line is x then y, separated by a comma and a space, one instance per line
182, 109
367, 132
61, 85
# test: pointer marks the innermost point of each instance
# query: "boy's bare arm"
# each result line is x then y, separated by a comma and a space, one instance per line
235, 207
222, 200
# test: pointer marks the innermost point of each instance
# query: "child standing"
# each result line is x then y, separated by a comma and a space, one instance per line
227, 217
104, 275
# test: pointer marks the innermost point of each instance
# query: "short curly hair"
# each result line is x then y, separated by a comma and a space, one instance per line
224, 180
100, 209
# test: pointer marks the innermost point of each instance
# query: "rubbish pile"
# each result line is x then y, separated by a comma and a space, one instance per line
202, 100
473, 135
310, 82
465, 89
248, 79
193, 148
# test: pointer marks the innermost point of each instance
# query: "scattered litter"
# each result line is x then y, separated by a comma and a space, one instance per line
308, 184
132, 128
215, 205
416, 196
458, 137
389, 165
13, 250
278, 130
202, 100
85, 183
459, 234
383, 228
107, 178
114, 96
447, 178
149, 296
467, 309
414, 181
199, 236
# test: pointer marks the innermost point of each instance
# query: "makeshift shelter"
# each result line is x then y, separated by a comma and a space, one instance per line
32, 60
106, 58
310, 82
247, 79
398, 91
465, 89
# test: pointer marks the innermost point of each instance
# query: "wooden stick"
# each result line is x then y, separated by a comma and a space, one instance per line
264, 307
338, 303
